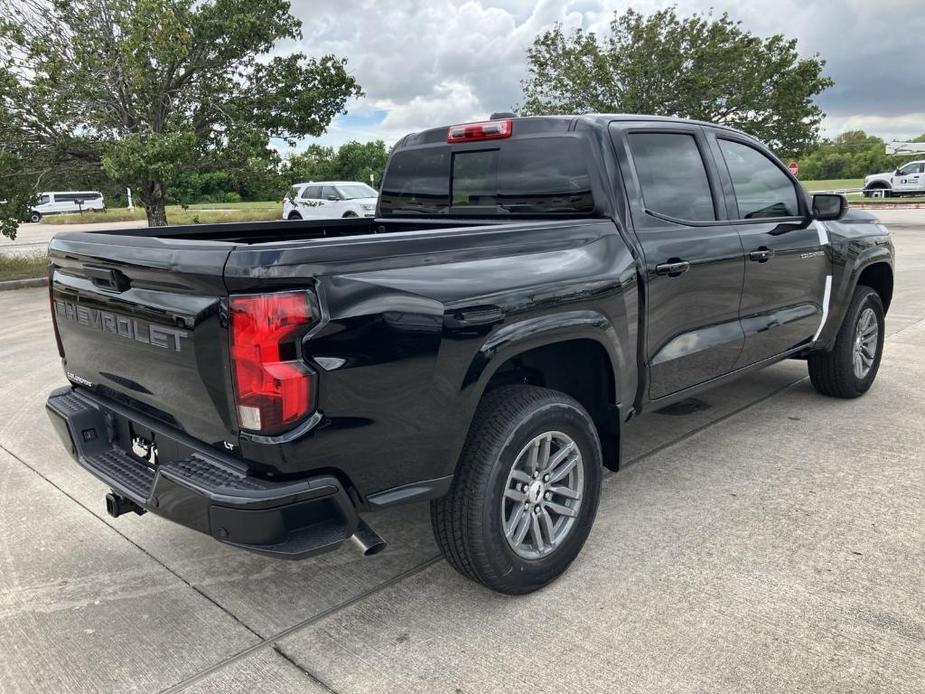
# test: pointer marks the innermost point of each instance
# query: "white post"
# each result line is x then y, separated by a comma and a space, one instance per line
129, 191
371, 179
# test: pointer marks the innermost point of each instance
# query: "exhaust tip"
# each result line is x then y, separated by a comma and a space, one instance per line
367, 540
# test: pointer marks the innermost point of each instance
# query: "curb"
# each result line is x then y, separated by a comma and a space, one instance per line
886, 205
24, 284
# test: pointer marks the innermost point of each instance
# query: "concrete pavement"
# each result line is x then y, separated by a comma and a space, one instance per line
773, 539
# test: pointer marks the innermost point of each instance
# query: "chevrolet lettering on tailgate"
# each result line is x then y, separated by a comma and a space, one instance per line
122, 326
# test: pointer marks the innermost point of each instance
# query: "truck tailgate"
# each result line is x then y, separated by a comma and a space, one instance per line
140, 320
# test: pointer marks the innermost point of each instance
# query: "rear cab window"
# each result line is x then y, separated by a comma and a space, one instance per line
528, 177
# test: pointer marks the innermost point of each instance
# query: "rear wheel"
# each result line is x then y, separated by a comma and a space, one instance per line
293, 216
526, 491
850, 368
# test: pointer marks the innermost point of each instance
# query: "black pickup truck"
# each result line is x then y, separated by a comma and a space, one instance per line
527, 286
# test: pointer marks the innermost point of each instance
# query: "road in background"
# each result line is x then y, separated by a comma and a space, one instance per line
761, 538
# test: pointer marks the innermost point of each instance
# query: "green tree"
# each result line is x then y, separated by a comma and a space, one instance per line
702, 67
315, 163
353, 161
853, 154
150, 89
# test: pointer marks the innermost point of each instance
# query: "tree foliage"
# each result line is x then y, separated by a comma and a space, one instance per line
702, 67
150, 89
353, 161
853, 154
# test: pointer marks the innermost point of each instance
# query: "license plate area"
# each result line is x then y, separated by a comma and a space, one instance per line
143, 445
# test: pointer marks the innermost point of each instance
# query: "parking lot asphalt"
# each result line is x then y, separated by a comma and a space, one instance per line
34, 238
769, 540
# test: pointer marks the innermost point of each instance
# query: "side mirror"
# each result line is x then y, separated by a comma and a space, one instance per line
333, 197
828, 207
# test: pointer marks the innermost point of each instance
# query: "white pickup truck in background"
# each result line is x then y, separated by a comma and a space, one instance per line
909, 179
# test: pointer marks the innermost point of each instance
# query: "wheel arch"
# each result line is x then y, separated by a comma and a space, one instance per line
872, 269
576, 353
879, 277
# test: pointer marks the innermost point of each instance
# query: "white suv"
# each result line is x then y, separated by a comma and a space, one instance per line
67, 201
329, 200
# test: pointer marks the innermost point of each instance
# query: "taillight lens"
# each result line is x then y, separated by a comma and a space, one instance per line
273, 388
487, 130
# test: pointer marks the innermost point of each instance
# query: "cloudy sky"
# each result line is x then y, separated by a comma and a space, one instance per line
440, 61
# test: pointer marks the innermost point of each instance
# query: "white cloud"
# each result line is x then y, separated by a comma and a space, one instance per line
437, 62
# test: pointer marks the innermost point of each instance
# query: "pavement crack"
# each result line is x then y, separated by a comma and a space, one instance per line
132, 542
310, 675
298, 626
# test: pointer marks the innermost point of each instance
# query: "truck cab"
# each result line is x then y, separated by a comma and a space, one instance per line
908, 179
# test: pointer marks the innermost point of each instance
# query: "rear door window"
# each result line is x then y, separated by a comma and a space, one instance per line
311, 192
672, 175
762, 189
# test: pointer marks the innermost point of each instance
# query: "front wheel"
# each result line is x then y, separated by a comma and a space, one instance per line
525, 493
849, 370
35, 217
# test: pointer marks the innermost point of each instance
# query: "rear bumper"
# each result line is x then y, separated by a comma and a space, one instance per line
199, 488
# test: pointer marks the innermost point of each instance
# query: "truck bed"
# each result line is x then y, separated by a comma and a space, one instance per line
251, 233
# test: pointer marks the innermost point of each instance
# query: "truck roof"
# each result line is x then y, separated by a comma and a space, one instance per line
595, 119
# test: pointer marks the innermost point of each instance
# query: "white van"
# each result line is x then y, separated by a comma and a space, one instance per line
67, 201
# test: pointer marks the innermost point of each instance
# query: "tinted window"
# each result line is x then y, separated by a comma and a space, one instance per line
761, 188
475, 178
311, 192
417, 180
45, 199
911, 169
82, 196
543, 176
672, 175
549, 175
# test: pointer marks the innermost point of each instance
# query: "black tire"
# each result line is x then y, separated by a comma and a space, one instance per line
467, 522
293, 216
350, 214
833, 373
35, 217
869, 192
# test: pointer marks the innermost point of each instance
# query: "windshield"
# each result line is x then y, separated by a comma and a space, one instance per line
353, 191
528, 177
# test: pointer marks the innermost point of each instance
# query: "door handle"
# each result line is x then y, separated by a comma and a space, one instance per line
673, 268
762, 255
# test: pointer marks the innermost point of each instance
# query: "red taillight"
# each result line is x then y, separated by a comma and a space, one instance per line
487, 130
273, 388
